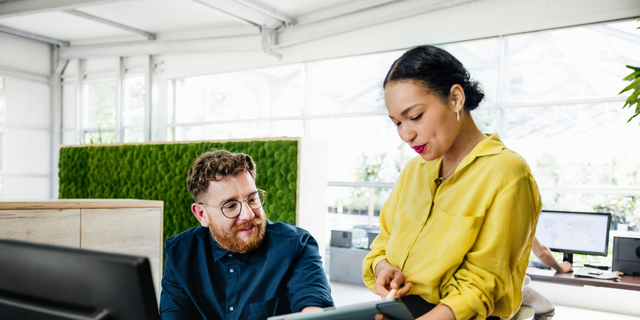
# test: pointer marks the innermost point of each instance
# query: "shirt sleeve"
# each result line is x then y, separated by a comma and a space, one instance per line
174, 301
308, 285
379, 245
491, 269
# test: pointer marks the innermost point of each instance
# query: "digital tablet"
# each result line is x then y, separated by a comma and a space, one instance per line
393, 309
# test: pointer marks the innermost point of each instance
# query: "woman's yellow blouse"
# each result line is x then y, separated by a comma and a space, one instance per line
465, 243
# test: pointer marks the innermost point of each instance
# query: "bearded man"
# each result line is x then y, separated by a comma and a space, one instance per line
238, 264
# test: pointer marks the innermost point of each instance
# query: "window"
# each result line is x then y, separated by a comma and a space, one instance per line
133, 109
99, 112
249, 104
113, 108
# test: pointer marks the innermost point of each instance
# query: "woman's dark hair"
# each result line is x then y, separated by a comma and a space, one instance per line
438, 71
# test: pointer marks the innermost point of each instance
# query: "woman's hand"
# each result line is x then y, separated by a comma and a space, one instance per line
389, 277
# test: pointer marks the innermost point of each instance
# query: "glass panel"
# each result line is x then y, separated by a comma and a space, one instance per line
133, 108
1, 100
552, 65
355, 201
239, 130
262, 93
481, 58
171, 108
222, 131
134, 135
190, 94
576, 145
486, 119
362, 148
625, 210
99, 137
171, 134
349, 85
289, 128
99, 104
348, 207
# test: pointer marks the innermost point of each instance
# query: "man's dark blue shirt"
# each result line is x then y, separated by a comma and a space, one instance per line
203, 281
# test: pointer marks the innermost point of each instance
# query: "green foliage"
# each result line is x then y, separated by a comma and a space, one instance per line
99, 137
634, 98
635, 94
369, 168
618, 171
159, 172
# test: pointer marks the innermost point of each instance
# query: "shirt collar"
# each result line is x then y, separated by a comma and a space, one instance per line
490, 146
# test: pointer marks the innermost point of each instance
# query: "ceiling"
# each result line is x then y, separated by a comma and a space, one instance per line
85, 28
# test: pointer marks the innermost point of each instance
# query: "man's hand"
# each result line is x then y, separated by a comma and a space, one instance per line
310, 308
389, 277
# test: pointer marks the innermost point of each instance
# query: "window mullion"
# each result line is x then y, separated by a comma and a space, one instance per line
119, 99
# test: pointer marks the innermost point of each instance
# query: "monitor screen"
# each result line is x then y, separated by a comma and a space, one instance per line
43, 282
574, 232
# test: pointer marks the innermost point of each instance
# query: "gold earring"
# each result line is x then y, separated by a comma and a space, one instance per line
458, 115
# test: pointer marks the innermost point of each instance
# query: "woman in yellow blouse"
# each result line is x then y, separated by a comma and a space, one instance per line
457, 229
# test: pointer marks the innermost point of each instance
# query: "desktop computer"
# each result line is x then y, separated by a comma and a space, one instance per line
626, 255
354, 238
574, 232
43, 282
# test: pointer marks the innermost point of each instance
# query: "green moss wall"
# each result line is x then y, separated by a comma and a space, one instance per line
159, 172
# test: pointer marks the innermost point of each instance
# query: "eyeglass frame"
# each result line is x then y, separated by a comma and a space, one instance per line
259, 191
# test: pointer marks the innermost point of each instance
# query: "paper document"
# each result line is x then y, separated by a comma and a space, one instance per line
598, 274
540, 272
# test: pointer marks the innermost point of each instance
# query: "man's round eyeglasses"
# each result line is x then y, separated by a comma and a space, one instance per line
233, 208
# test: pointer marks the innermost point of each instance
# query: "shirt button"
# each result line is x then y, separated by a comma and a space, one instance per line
231, 309
230, 255
231, 270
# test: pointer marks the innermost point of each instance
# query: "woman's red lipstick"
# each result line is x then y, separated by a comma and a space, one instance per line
419, 149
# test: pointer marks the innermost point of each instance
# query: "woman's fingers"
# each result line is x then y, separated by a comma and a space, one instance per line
404, 290
382, 285
388, 280
381, 289
398, 279
381, 316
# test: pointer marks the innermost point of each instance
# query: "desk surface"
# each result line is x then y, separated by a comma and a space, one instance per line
626, 283
78, 204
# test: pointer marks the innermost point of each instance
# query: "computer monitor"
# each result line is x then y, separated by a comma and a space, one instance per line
43, 282
574, 232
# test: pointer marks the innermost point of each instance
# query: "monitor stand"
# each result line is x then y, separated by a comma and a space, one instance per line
568, 257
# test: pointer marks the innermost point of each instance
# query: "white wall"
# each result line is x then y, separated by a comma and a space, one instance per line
312, 189
26, 130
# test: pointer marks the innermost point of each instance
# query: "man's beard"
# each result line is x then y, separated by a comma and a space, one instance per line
228, 240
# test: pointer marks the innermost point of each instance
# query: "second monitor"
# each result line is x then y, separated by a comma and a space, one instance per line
574, 232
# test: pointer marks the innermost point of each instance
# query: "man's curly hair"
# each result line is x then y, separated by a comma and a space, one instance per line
214, 165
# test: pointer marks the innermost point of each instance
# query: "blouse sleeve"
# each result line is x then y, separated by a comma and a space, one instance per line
379, 244
491, 269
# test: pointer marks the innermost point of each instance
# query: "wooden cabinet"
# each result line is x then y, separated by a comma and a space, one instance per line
131, 227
